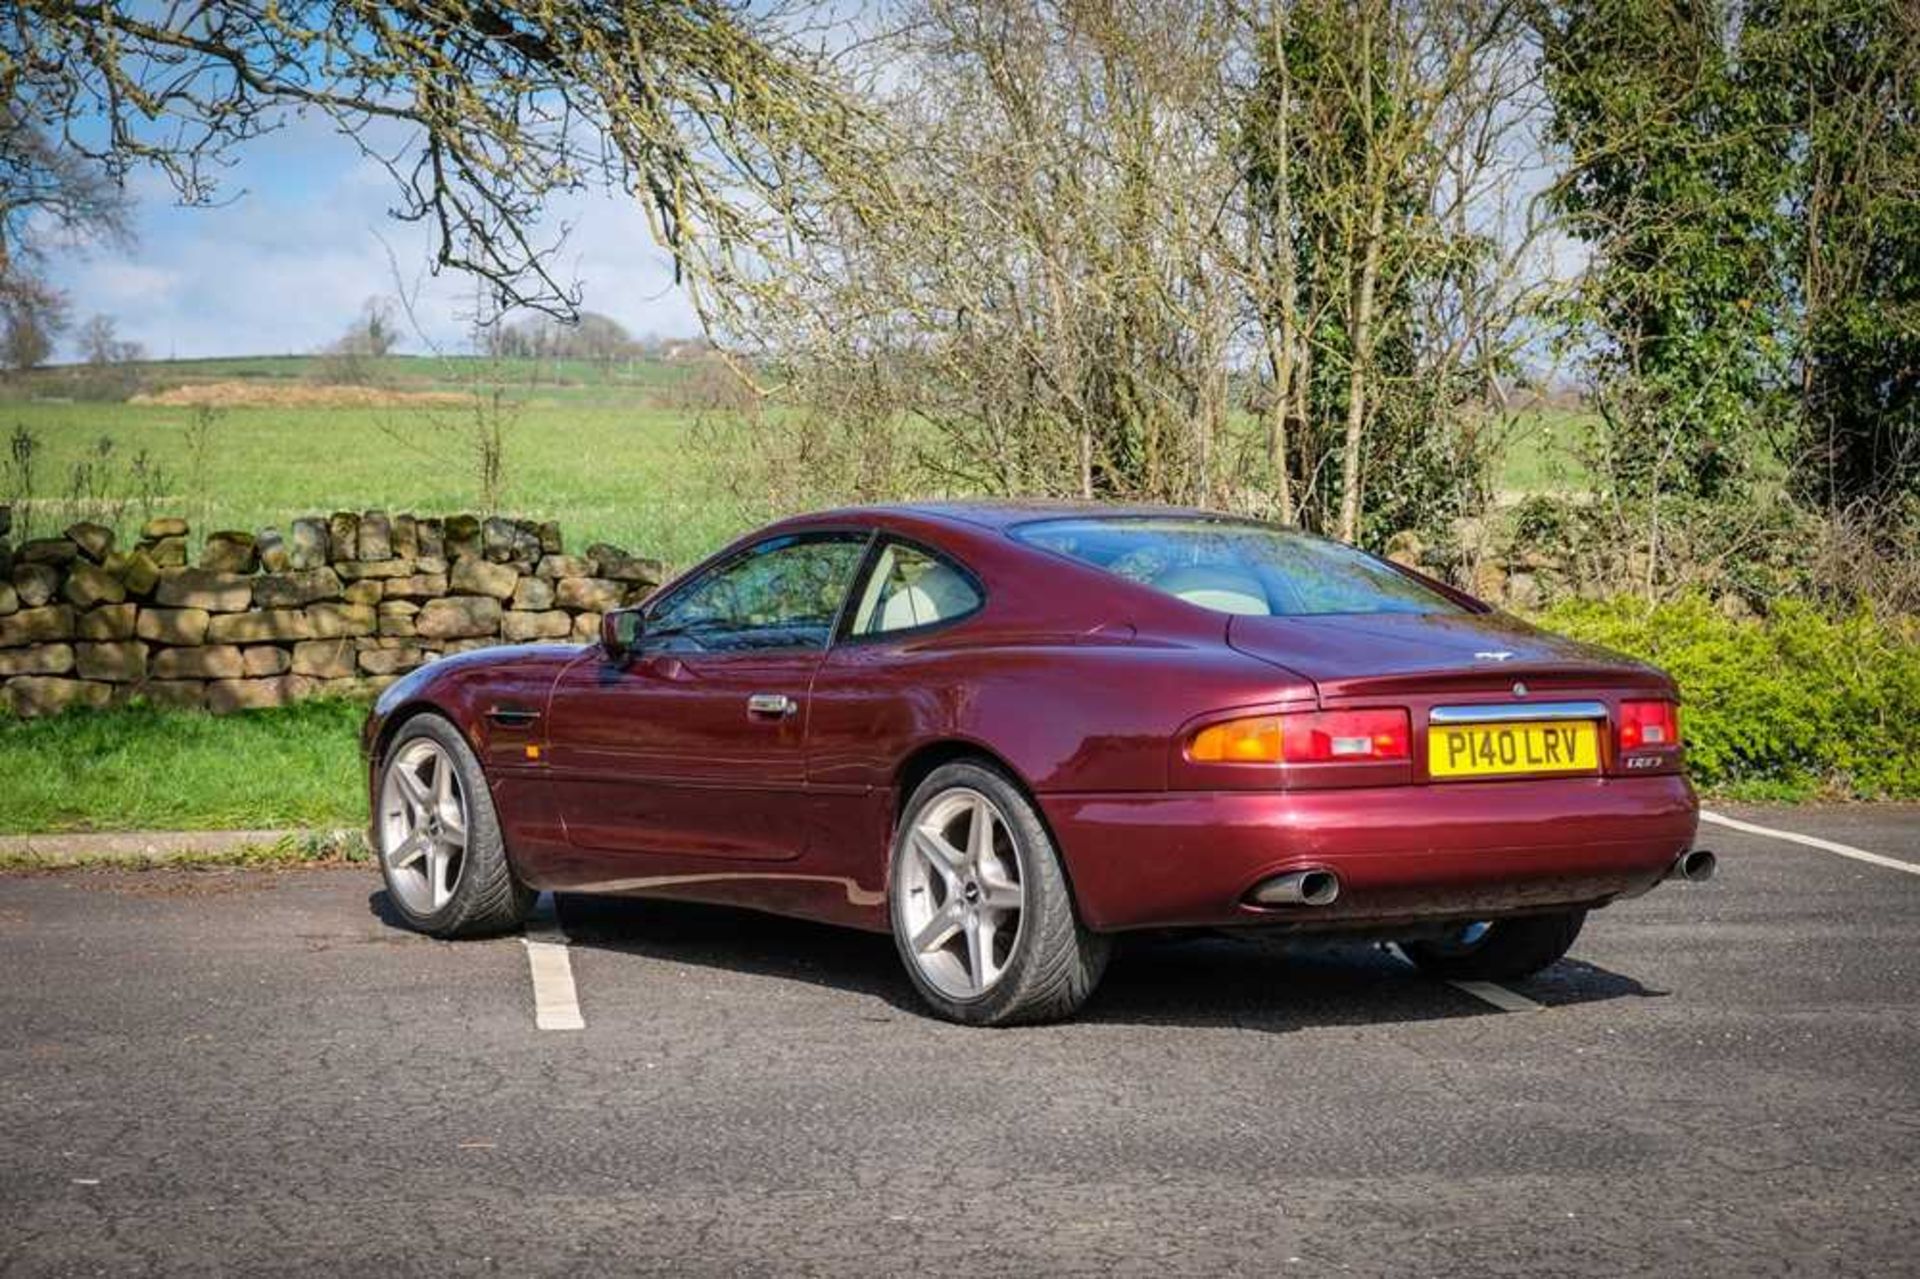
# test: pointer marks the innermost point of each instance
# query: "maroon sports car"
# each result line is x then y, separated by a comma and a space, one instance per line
1006, 733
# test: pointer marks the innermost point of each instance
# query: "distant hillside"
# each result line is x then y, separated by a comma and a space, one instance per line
687, 373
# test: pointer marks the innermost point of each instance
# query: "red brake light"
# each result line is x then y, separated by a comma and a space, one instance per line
1333, 736
1649, 725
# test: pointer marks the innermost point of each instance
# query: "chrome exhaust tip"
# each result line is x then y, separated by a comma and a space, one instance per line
1299, 888
1696, 866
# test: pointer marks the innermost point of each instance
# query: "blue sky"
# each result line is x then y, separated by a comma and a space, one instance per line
287, 260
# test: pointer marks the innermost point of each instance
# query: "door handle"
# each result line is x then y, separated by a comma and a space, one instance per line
771, 704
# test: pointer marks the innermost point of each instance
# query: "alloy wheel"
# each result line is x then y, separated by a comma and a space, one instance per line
423, 826
962, 893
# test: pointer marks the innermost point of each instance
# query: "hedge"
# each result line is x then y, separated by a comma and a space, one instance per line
1793, 706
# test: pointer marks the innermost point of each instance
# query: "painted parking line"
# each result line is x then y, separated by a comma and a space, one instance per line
1507, 1001
1811, 841
556, 1004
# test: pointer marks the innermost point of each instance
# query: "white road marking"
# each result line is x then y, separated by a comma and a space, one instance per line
556, 1005
1811, 841
1507, 1001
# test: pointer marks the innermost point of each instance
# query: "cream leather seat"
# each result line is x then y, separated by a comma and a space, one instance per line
938, 593
1218, 587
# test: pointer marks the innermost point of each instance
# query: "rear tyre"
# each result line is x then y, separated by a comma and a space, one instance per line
441, 851
982, 913
1503, 950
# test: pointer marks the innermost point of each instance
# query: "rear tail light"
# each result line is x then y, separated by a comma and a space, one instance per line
1649, 725
1312, 737
1337, 735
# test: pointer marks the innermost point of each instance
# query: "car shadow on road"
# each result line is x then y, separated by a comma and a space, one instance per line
380, 906
1246, 981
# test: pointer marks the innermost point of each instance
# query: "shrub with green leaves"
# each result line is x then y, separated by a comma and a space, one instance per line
1788, 707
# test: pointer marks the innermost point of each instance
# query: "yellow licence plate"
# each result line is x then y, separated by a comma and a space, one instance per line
1480, 750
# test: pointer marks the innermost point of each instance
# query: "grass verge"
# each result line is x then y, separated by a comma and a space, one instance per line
309, 848
145, 768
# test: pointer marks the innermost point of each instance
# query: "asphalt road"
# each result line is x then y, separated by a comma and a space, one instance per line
210, 1072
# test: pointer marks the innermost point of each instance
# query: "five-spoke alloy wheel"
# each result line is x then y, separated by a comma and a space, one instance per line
962, 891
440, 846
423, 825
982, 914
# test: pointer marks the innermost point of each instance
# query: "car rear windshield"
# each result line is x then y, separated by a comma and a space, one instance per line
1238, 567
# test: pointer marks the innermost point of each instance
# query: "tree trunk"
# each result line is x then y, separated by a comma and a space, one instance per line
1287, 285
1310, 442
1280, 357
1361, 328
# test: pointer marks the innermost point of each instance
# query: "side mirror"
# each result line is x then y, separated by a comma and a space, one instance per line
620, 630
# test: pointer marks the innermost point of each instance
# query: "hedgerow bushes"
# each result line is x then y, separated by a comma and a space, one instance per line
1791, 706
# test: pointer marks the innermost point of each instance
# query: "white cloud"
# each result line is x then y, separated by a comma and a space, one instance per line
287, 263
118, 285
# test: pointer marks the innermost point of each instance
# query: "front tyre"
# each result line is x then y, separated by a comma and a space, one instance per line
440, 846
982, 913
1503, 950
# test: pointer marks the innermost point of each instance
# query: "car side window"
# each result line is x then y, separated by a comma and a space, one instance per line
909, 589
782, 593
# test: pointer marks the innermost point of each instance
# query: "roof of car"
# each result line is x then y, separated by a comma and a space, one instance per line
1000, 513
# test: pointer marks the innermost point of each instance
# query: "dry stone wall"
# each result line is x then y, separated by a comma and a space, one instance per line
340, 605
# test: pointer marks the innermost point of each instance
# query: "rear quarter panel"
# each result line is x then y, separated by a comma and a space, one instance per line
1064, 717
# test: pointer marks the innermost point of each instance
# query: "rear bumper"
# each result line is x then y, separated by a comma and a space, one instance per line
1404, 854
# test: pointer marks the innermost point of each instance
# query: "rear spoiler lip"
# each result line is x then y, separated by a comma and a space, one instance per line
1556, 678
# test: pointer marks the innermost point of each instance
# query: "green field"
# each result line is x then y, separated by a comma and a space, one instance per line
621, 381
631, 476
1542, 454
610, 449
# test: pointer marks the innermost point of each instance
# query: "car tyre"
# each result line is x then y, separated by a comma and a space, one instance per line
1049, 964
1503, 950
438, 836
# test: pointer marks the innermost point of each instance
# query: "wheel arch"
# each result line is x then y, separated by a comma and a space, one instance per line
379, 742
925, 759
398, 718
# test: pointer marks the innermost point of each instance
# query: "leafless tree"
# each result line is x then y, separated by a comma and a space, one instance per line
1039, 299
709, 111
375, 332
590, 336
49, 196
1118, 224
101, 345
33, 315
49, 193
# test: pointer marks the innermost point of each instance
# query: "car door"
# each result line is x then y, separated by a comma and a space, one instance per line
693, 745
